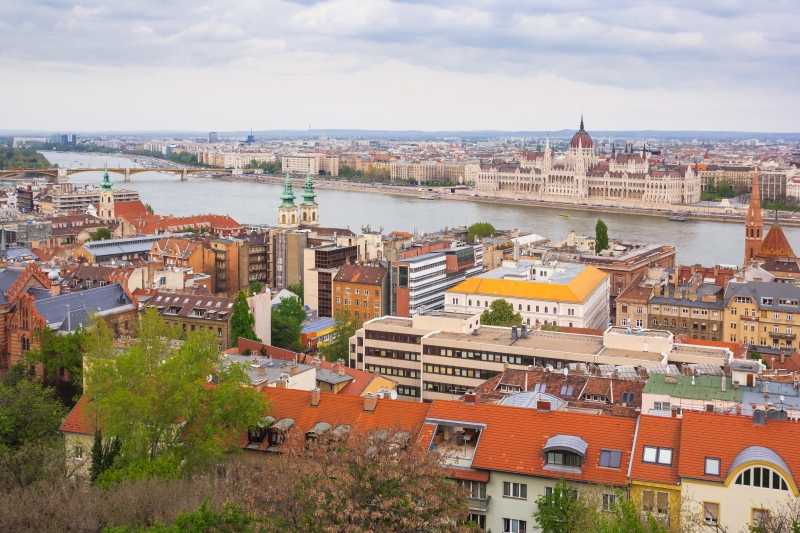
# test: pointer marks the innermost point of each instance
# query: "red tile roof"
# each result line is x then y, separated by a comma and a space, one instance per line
79, 419
514, 438
659, 432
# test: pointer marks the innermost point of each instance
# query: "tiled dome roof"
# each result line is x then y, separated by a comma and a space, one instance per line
581, 139
776, 246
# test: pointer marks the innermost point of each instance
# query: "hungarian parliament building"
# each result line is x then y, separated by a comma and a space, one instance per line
624, 179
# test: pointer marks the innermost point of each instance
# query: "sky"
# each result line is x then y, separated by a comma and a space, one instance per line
220, 65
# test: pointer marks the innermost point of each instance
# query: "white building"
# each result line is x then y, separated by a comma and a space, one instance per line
547, 293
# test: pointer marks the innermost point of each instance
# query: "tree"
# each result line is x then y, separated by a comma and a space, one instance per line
287, 323
344, 327
297, 288
370, 482
562, 511
255, 287
601, 236
149, 208
155, 398
29, 412
501, 313
230, 519
57, 352
242, 320
103, 454
101, 233
480, 230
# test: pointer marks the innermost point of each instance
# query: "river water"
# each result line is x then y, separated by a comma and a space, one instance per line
707, 243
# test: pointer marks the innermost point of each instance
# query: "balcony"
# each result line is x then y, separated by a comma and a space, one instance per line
479, 504
787, 336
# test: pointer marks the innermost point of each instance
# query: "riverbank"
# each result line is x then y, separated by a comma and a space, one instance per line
786, 219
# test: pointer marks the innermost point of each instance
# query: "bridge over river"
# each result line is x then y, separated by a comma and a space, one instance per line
61, 174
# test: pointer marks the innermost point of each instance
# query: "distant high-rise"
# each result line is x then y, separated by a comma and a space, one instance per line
251, 138
69, 138
212, 137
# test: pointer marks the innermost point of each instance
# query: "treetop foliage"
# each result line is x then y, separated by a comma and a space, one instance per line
501, 313
480, 230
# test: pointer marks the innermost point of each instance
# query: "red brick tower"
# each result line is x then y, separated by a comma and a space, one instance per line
754, 224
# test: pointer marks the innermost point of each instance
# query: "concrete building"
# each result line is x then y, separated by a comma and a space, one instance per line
762, 313
363, 291
67, 198
320, 265
543, 293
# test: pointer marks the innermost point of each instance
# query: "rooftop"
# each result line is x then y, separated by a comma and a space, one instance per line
703, 387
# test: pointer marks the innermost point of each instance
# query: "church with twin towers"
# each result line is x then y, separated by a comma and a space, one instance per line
291, 216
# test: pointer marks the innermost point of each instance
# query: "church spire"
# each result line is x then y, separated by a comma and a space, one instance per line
288, 195
105, 185
754, 223
581, 121
308, 191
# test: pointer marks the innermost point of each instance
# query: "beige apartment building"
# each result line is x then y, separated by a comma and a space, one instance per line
442, 355
313, 163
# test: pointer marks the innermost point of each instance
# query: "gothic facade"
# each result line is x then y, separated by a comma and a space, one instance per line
582, 177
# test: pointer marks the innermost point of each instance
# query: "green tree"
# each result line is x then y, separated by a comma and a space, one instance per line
230, 519
155, 398
188, 230
501, 313
296, 288
600, 236
104, 451
344, 327
622, 516
242, 320
480, 230
29, 412
287, 323
101, 233
256, 287
57, 352
149, 208
562, 510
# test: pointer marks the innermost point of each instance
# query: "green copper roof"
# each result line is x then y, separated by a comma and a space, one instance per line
308, 191
705, 388
105, 185
287, 196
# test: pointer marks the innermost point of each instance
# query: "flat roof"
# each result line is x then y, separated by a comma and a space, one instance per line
537, 340
392, 321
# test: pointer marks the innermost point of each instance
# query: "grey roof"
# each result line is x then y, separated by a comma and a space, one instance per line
326, 375
284, 423
265, 369
782, 395
762, 289
745, 365
759, 453
320, 428
529, 399
569, 443
129, 245
17, 254
39, 293
100, 300
7, 279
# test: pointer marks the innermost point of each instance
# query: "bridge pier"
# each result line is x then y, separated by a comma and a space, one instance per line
127, 174
185, 175
61, 175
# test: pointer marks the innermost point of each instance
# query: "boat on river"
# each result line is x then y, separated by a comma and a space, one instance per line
564, 216
679, 217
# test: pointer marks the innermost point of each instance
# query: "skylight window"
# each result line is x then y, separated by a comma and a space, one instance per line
566, 390
218, 304
230, 305
610, 458
628, 397
712, 466
661, 456
540, 387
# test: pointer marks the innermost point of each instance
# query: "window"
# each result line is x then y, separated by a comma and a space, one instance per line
655, 308
358, 291
608, 501
366, 292
761, 476
711, 513
479, 519
661, 406
477, 489
338, 300
515, 490
77, 451
566, 390
639, 323
610, 458
563, 459
712, 466
661, 456
639, 310
761, 518
377, 305
540, 387
624, 322
628, 397
511, 525
742, 300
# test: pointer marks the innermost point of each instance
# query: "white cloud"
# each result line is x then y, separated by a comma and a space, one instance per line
393, 64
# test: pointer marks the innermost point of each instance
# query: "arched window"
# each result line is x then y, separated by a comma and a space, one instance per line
537, 308
314, 216
570, 324
26, 343
528, 321
470, 302
305, 216
529, 308
761, 476
294, 219
478, 303
486, 303
545, 308
283, 219
519, 307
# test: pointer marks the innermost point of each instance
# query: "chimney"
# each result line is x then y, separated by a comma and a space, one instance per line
294, 369
55, 290
340, 362
282, 383
524, 331
724, 382
469, 397
370, 402
513, 333
262, 370
759, 417
315, 397
542, 405
783, 357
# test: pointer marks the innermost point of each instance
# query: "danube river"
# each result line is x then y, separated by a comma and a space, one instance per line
707, 243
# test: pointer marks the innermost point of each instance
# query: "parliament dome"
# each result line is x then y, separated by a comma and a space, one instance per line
581, 139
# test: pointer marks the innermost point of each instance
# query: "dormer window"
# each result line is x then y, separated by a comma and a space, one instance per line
564, 459
565, 453
661, 456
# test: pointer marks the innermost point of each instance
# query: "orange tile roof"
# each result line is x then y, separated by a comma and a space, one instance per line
776, 246
514, 437
660, 432
725, 436
79, 420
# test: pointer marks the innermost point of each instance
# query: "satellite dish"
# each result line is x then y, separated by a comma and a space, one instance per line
393, 395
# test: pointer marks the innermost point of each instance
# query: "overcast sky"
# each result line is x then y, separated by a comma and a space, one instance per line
380, 64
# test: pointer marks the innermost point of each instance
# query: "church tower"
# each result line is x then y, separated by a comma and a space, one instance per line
309, 209
754, 224
287, 212
106, 210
